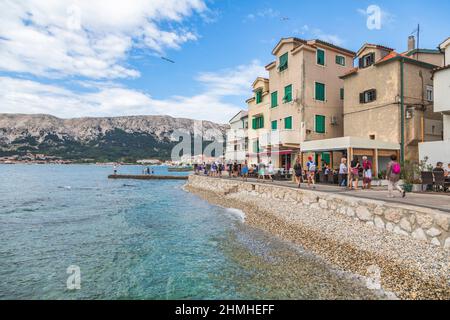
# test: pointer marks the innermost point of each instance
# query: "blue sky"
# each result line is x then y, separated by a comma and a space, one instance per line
103, 58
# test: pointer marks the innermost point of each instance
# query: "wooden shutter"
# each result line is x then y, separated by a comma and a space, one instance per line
320, 91
320, 124
320, 57
288, 123
361, 97
274, 125
274, 100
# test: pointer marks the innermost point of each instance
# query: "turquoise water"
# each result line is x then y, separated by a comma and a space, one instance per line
142, 240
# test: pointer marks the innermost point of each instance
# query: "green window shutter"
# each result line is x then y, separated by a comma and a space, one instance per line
342, 93
326, 157
283, 62
320, 91
320, 57
258, 97
288, 123
274, 125
254, 123
320, 124
274, 99
288, 93
261, 122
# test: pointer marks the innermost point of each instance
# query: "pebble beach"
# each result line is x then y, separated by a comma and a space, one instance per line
408, 268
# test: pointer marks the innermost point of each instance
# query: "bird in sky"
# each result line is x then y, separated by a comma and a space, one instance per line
167, 59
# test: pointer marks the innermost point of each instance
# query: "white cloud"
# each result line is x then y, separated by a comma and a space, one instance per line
89, 38
264, 13
111, 99
306, 30
328, 37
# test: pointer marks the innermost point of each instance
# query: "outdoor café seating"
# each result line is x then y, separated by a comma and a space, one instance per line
435, 180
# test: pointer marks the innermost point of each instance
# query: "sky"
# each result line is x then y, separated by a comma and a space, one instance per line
184, 58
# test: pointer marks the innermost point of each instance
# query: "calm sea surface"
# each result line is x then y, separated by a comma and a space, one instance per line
143, 240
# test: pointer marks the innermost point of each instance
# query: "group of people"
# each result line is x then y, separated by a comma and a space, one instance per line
440, 168
349, 174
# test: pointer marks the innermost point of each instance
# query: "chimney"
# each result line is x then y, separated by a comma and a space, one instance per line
411, 43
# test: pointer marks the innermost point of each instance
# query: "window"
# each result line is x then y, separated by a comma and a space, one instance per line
256, 146
409, 112
246, 144
320, 91
430, 93
274, 125
288, 123
320, 57
274, 99
367, 60
372, 137
258, 123
283, 62
258, 96
340, 60
320, 124
287, 94
342, 93
236, 147
368, 96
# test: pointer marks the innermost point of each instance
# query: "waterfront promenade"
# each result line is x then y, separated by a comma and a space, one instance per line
431, 200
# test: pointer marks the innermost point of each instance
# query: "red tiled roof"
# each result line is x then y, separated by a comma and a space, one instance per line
350, 72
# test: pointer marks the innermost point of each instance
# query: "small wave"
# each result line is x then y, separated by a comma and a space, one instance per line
237, 213
65, 187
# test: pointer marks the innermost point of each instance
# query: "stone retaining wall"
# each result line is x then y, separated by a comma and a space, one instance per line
423, 224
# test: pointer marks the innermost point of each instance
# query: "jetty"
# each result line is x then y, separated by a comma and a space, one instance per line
147, 177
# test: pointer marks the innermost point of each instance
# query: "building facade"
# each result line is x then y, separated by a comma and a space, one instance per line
302, 100
389, 97
237, 138
439, 151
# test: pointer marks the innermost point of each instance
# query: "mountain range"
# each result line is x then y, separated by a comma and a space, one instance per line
126, 138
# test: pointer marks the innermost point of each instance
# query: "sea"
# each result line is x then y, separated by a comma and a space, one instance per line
68, 232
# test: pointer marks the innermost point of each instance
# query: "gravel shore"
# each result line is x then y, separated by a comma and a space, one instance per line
409, 268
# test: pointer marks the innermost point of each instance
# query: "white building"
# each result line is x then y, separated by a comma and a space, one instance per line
440, 150
237, 138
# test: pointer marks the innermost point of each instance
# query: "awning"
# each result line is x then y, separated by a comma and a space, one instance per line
267, 153
344, 143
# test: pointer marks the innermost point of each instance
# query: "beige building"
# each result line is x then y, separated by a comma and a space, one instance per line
301, 101
387, 87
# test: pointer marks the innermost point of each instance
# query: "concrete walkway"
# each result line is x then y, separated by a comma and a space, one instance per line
440, 201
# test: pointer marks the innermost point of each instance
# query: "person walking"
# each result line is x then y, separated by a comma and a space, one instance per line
271, 171
343, 172
311, 165
354, 173
367, 173
393, 177
244, 171
262, 171
298, 171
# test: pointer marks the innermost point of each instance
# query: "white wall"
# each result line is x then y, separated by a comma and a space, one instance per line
442, 91
436, 151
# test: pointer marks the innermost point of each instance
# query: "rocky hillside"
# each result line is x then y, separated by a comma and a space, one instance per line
100, 139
